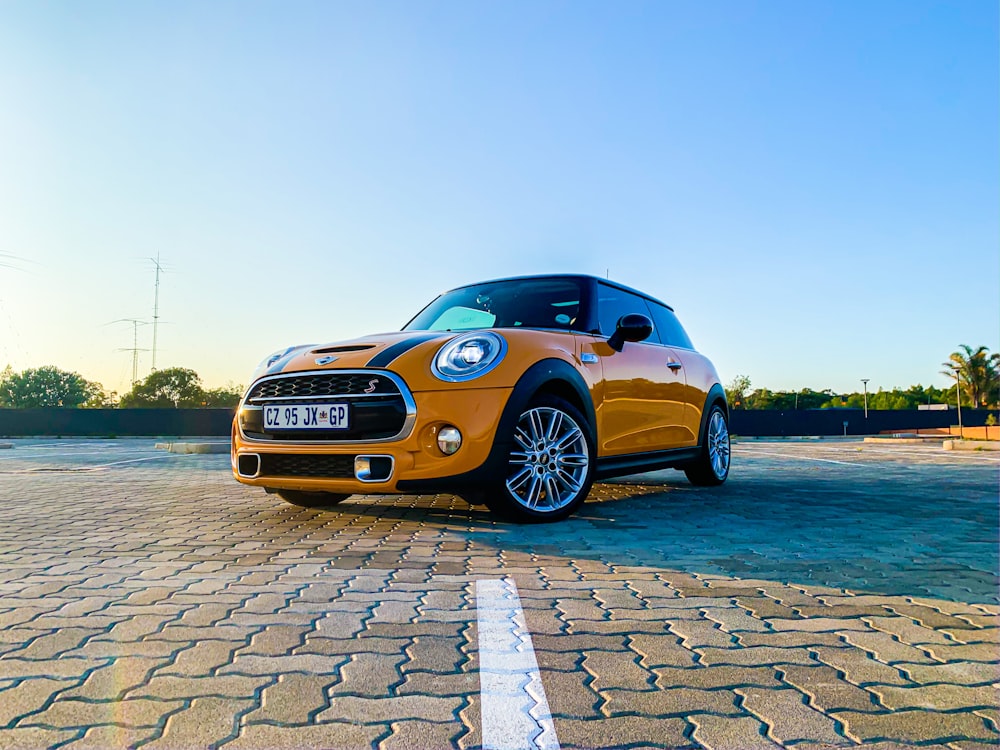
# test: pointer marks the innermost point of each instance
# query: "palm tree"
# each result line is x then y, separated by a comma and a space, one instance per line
977, 371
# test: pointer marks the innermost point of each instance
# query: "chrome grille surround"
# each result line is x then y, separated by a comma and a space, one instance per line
313, 385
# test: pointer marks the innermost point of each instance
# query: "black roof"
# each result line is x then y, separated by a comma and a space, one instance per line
578, 276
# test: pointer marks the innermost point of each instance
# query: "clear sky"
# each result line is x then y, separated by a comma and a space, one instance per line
814, 186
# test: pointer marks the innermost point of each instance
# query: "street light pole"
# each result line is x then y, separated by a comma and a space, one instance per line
958, 400
865, 382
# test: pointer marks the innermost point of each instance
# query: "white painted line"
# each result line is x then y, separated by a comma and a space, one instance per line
515, 713
84, 469
804, 458
885, 450
62, 444
876, 452
20, 456
135, 460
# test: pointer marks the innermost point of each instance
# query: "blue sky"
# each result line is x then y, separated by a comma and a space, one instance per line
813, 186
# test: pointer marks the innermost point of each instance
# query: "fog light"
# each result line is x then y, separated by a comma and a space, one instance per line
449, 440
372, 468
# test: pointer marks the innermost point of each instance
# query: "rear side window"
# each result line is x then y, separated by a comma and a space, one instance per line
612, 303
669, 329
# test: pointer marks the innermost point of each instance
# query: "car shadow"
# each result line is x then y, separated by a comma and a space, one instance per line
872, 534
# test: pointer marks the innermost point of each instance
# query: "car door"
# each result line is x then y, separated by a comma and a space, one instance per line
643, 404
699, 374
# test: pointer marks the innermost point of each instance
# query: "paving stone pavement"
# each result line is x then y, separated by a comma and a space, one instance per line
828, 596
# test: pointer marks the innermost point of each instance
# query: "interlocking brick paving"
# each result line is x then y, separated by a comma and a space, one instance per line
159, 604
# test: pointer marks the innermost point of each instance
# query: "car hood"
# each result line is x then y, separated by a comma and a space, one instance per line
409, 355
378, 350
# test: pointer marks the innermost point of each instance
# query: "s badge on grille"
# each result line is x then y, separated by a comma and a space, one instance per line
372, 385
325, 360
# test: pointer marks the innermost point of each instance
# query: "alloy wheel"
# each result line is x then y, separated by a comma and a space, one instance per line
718, 445
549, 461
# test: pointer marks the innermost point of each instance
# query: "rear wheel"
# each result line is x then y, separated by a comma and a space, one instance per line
550, 464
311, 499
712, 466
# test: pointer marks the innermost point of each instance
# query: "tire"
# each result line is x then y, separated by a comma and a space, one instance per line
311, 499
712, 466
551, 464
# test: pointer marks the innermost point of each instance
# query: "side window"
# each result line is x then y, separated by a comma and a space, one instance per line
671, 331
612, 303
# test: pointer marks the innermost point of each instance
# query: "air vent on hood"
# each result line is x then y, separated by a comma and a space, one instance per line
340, 349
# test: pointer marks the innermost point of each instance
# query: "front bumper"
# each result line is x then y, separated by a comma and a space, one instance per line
414, 458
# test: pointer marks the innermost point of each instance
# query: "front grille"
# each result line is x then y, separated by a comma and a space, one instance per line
286, 465
379, 404
318, 385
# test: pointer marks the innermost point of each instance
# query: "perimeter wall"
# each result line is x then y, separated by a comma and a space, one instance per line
217, 422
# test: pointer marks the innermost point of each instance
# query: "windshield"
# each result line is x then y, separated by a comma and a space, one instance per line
520, 303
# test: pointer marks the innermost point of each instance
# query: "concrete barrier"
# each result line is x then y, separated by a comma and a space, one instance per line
217, 423
191, 447
972, 445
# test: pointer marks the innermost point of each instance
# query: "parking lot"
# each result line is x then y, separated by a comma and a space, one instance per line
833, 593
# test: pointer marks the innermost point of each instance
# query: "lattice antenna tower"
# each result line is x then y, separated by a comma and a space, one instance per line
156, 307
135, 344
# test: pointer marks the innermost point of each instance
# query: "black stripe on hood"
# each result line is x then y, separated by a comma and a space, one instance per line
390, 353
279, 364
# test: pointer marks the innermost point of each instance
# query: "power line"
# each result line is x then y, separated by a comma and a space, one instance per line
11, 262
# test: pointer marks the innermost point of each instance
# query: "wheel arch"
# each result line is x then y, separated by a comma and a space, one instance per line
554, 377
546, 377
716, 397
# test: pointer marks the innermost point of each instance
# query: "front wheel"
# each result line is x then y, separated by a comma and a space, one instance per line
550, 464
311, 499
712, 467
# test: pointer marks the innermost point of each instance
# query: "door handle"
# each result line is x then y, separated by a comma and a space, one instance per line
675, 366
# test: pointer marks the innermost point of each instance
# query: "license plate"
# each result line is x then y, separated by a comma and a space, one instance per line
306, 417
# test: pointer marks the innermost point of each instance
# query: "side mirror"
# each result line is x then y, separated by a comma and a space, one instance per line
631, 327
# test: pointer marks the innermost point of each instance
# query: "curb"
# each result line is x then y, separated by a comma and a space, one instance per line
796, 438
971, 445
193, 447
907, 439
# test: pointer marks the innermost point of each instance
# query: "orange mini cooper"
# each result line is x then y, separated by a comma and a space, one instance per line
517, 393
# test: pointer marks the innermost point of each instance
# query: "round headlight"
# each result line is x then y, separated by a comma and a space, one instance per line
272, 358
469, 356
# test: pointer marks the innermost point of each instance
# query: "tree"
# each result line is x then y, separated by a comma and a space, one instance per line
172, 388
102, 399
978, 373
807, 398
736, 392
761, 398
227, 396
46, 386
897, 398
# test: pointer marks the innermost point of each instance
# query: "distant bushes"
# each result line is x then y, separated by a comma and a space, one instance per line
172, 388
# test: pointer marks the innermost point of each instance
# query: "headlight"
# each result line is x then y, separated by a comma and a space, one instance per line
468, 356
271, 359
